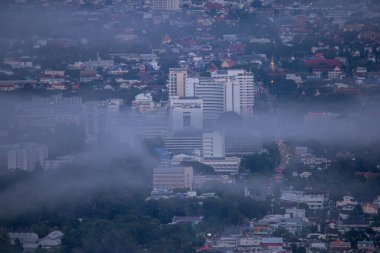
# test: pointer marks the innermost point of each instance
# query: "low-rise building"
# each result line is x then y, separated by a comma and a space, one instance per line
23, 237
200, 181
52, 240
314, 201
143, 103
272, 242
226, 165
53, 164
170, 177
194, 220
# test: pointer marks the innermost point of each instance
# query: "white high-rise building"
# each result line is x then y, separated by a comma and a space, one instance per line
176, 82
212, 94
232, 97
240, 90
166, 5
186, 113
190, 84
213, 145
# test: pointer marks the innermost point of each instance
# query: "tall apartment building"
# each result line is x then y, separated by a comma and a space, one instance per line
190, 84
239, 91
166, 5
27, 156
186, 113
213, 96
176, 82
225, 91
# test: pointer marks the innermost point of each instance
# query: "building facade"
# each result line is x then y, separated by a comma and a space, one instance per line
169, 177
213, 145
186, 113
166, 5
176, 82
240, 90
27, 156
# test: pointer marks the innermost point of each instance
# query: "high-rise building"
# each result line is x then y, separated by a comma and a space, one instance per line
176, 82
186, 113
166, 5
212, 94
240, 90
190, 84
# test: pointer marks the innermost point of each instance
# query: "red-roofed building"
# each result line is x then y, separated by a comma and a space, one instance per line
331, 67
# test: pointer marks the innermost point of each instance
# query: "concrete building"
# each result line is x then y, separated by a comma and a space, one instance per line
183, 142
58, 99
232, 97
213, 145
27, 156
314, 201
186, 113
168, 177
99, 117
52, 240
147, 125
213, 96
204, 180
225, 91
190, 84
53, 164
143, 103
239, 143
166, 5
240, 91
176, 82
25, 238
48, 112
226, 165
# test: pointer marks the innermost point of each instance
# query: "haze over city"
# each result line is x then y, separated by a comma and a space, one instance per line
180, 126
